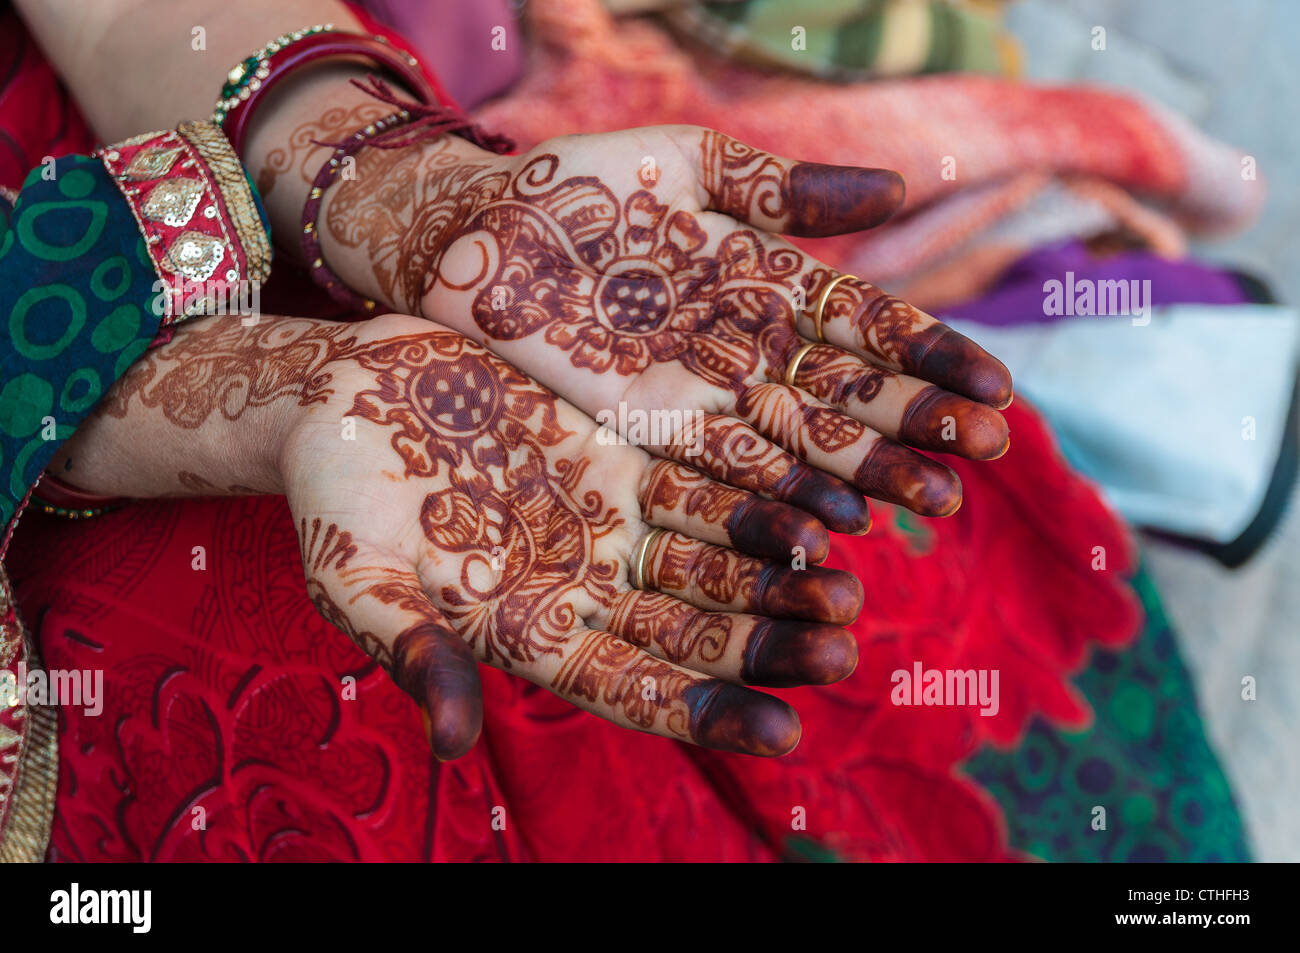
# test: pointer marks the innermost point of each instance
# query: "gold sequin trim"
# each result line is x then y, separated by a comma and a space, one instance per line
151, 163
231, 180
173, 201
194, 255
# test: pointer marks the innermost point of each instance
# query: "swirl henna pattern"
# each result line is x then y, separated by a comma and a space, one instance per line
451, 510
671, 291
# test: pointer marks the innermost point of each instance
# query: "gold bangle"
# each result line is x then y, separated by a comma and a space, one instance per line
792, 368
821, 304
638, 561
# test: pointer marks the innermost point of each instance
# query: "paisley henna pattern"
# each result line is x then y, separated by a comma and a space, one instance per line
229, 369
402, 208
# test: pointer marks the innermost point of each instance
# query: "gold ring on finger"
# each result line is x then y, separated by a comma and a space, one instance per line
792, 369
639, 558
819, 315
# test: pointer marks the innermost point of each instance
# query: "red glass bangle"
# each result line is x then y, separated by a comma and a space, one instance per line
262, 73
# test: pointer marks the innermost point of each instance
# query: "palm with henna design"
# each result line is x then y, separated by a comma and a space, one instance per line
663, 285
476, 517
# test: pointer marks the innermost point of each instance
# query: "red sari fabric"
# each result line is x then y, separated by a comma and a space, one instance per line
238, 725
230, 730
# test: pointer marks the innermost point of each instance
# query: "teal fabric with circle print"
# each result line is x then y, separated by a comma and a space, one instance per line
77, 288
1141, 783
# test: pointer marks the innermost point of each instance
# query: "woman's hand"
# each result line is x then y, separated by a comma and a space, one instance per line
451, 510
639, 273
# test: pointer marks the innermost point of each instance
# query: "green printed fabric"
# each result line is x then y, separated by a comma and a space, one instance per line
77, 288
1145, 759
851, 40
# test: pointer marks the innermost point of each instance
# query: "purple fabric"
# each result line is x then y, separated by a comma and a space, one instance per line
455, 39
1018, 296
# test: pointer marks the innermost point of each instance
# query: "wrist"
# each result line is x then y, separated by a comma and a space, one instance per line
385, 229
207, 413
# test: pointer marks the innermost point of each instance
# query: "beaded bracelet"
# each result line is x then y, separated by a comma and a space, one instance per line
245, 78
57, 498
411, 124
311, 250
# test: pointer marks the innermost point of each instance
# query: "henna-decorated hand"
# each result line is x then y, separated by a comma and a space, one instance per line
642, 268
476, 516
450, 509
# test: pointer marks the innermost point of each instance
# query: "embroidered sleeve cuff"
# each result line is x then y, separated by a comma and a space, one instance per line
203, 225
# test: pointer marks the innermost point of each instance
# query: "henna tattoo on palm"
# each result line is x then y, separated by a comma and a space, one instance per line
629, 283
477, 519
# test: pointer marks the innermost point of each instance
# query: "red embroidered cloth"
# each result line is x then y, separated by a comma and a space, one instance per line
225, 733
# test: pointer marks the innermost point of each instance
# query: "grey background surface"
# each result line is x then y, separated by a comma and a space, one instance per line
1233, 68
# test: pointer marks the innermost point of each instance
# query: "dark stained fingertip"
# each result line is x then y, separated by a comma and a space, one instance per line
816, 594
839, 506
955, 362
439, 671
946, 423
836, 199
728, 717
455, 726
898, 474
783, 654
771, 529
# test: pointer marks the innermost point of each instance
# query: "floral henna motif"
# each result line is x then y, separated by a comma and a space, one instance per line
525, 527
643, 288
618, 285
